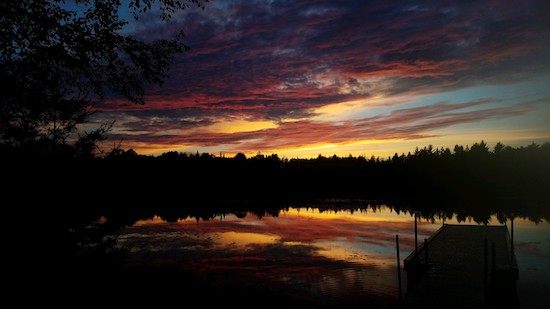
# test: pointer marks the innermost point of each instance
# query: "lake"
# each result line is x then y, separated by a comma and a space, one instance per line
313, 256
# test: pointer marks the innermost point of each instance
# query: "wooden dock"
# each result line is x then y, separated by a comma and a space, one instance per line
463, 266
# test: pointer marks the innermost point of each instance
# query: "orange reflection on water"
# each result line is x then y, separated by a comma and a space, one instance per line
350, 253
347, 255
362, 237
243, 239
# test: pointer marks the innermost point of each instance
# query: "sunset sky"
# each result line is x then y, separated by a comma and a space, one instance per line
302, 78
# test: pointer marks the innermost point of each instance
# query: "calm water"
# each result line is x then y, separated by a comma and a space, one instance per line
326, 258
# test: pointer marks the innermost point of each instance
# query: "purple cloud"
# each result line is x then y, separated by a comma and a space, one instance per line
281, 60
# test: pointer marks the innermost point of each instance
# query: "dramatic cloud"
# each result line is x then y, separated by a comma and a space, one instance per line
279, 62
407, 123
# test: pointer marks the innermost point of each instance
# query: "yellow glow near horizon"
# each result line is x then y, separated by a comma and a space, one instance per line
465, 135
339, 110
308, 148
367, 148
355, 148
239, 125
227, 127
153, 149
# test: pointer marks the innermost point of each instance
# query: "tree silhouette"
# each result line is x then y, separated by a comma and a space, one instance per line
240, 156
57, 60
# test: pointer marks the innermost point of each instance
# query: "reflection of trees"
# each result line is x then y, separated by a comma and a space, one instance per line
85, 245
125, 216
516, 179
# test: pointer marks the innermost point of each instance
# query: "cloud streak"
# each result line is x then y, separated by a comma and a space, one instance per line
405, 123
280, 61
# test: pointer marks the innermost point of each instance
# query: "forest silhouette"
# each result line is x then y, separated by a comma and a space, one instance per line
516, 178
463, 179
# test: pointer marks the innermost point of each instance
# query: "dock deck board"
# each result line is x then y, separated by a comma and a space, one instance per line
456, 276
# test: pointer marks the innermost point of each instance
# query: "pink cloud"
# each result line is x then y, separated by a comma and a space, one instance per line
405, 123
269, 61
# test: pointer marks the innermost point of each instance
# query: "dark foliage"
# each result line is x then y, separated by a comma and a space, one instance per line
473, 181
515, 177
57, 60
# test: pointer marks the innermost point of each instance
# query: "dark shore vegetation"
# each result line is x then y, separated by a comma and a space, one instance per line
469, 180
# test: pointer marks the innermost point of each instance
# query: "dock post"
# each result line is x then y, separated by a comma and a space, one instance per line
485, 270
398, 267
512, 235
415, 234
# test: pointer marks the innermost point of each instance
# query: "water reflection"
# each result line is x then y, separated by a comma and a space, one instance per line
327, 256
334, 256
532, 246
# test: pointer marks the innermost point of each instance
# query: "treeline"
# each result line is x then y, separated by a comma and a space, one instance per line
474, 181
477, 149
477, 171
463, 175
